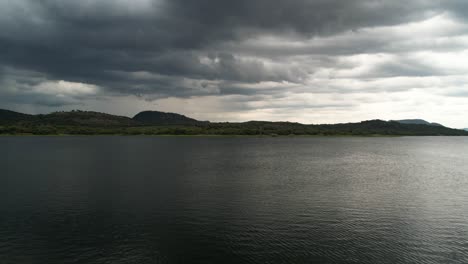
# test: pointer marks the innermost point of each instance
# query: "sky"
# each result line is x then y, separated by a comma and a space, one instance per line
308, 61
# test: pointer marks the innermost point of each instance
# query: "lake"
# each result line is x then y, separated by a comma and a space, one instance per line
233, 200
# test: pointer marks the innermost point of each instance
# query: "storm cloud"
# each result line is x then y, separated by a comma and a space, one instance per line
301, 60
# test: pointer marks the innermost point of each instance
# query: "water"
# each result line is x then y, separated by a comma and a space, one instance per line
233, 200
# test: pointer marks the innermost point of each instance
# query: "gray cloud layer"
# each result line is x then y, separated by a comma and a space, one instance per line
258, 49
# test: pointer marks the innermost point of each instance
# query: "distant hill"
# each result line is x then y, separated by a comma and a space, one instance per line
162, 118
84, 118
8, 117
381, 127
160, 123
72, 118
417, 122
364, 128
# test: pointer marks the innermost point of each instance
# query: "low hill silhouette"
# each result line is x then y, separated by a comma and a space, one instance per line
417, 122
161, 123
162, 118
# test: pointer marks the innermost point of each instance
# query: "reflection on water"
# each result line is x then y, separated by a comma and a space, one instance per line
233, 200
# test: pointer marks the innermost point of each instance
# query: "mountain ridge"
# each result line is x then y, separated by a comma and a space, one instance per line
166, 118
160, 123
417, 122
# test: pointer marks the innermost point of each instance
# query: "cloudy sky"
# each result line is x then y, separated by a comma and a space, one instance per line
311, 61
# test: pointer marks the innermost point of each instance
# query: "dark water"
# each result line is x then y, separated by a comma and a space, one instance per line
233, 200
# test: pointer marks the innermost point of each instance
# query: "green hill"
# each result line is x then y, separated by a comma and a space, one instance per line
160, 123
417, 122
162, 118
10, 117
84, 118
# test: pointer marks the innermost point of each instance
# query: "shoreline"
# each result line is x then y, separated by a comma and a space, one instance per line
222, 136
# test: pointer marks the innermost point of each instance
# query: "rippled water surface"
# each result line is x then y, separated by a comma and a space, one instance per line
233, 200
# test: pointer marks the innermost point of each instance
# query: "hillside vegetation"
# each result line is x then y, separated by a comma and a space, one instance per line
160, 123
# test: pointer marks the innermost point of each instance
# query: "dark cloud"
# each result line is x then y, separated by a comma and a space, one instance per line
173, 48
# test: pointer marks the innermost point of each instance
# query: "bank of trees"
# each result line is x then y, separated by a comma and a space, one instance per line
375, 127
